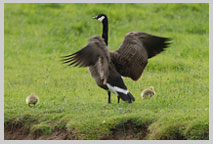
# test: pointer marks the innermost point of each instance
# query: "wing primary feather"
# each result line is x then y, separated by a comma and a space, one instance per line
68, 61
67, 58
68, 55
88, 55
73, 63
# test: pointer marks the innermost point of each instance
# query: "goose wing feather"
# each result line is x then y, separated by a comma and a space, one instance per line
153, 44
90, 54
132, 57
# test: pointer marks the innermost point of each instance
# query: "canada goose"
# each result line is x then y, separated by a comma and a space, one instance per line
148, 93
32, 99
129, 60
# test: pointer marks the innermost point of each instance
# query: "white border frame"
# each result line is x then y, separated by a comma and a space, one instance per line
210, 141
107, 1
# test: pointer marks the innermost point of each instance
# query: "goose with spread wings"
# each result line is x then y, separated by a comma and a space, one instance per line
130, 60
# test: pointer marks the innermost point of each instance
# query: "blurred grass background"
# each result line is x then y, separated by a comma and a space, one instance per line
36, 35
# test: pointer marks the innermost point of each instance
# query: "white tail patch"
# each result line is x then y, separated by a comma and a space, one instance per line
116, 89
101, 18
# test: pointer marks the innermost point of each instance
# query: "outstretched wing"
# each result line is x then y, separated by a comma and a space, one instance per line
94, 51
153, 44
132, 57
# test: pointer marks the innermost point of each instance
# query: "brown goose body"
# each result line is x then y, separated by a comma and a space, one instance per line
129, 60
100, 70
96, 56
99, 76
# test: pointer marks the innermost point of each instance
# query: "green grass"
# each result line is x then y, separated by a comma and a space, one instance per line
36, 35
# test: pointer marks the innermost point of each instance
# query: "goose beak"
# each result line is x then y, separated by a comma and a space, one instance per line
95, 17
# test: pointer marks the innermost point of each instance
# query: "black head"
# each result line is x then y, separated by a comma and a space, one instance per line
101, 17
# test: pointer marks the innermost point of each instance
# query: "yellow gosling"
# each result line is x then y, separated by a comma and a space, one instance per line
32, 100
148, 93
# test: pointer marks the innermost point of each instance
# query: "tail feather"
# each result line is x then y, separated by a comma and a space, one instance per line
123, 96
131, 96
126, 97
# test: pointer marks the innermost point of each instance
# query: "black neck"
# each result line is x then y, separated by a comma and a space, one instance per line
105, 31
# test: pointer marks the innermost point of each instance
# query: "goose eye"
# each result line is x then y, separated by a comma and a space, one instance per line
101, 18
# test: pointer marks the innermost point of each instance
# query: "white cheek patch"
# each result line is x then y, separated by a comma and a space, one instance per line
101, 18
116, 89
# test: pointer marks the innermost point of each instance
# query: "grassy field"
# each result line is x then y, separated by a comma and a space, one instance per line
37, 35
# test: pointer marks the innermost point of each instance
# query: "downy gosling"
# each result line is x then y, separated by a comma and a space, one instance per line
148, 93
32, 100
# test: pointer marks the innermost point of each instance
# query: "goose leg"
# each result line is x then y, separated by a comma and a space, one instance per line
109, 97
118, 99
